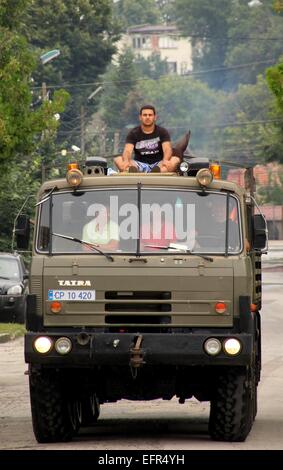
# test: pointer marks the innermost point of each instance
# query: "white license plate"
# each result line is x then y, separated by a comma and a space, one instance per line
75, 295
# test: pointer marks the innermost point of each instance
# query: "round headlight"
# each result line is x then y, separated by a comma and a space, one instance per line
232, 346
42, 344
15, 290
204, 177
212, 346
184, 166
74, 177
63, 345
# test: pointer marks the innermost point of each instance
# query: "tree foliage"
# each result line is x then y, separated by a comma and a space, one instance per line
231, 34
21, 126
85, 32
134, 12
274, 76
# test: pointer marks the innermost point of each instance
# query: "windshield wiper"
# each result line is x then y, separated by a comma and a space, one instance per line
184, 250
7, 278
83, 242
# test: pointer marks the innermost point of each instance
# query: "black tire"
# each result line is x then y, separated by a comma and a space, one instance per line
90, 409
55, 416
232, 407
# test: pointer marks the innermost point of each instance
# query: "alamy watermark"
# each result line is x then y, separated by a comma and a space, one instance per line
166, 222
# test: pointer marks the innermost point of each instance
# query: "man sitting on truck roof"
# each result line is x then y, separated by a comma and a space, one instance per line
151, 145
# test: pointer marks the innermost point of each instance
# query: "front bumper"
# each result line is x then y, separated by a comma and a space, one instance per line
11, 306
115, 349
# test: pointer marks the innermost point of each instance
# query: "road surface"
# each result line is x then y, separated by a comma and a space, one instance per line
157, 425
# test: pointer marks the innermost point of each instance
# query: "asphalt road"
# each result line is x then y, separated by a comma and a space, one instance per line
157, 425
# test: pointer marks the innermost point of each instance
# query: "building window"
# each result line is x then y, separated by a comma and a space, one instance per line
184, 68
167, 42
171, 67
137, 42
146, 42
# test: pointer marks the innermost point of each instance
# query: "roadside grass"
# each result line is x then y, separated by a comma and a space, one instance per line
13, 329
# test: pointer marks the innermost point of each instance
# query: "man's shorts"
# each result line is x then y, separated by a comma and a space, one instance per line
145, 167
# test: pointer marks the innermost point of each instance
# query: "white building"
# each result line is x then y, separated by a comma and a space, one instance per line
165, 40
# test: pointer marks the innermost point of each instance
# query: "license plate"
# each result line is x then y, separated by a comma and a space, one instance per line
75, 295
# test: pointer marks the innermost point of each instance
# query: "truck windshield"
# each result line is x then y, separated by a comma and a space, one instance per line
141, 221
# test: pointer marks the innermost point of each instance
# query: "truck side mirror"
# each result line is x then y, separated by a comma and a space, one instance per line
259, 233
22, 232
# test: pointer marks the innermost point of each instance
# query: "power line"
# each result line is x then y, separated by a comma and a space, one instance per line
162, 77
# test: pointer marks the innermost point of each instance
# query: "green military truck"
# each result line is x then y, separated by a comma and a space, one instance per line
144, 286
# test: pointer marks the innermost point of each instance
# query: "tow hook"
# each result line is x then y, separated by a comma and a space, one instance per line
136, 359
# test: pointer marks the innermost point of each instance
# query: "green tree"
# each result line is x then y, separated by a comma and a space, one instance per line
247, 130
274, 77
255, 36
152, 67
21, 127
119, 80
134, 12
85, 32
206, 22
231, 34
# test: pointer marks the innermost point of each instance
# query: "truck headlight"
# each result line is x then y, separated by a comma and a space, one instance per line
232, 346
184, 166
42, 344
15, 290
63, 345
204, 177
74, 177
212, 346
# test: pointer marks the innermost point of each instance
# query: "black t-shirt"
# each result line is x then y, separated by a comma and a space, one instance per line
148, 147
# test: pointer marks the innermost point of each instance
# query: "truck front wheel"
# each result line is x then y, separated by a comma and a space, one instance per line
55, 414
232, 407
90, 409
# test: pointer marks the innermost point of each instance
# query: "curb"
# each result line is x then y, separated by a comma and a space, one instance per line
5, 337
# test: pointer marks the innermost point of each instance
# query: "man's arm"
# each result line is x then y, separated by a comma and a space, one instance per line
167, 151
123, 162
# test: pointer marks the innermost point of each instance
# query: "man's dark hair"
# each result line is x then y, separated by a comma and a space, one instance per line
147, 106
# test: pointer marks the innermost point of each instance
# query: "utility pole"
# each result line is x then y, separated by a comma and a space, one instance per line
116, 142
44, 98
102, 142
82, 130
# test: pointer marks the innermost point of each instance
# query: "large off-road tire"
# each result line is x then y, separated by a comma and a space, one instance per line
55, 414
90, 409
232, 408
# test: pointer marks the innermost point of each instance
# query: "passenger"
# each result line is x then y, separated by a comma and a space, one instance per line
160, 232
217, 227
102, 231
151, 145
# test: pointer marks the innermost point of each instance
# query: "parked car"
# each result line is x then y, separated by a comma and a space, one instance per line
13, 288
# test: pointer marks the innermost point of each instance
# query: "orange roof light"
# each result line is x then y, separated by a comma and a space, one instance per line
74, 177
215, 168
73, 166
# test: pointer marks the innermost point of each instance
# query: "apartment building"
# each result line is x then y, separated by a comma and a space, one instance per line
164, 40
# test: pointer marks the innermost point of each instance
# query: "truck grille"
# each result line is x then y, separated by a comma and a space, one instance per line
134, 307
139, 301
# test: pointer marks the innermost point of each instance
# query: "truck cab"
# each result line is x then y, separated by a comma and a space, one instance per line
144, 286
